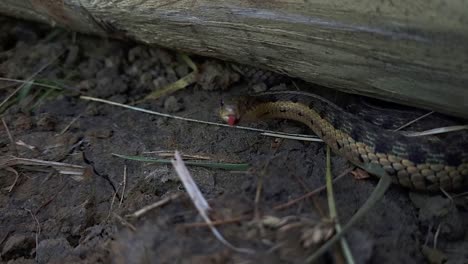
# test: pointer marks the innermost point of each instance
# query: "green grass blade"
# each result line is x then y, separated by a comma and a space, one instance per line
333, 212
25, 90
384, 183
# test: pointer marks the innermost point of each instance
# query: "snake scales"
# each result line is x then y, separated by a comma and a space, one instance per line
422, 163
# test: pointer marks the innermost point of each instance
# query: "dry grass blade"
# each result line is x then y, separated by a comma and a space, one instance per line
199, 201
180, 84
414, 121
270, 133
63, 168
15, 181
435, 131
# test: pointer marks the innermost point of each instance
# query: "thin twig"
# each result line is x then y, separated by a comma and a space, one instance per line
217, 223
124, 183
38, 230
124, 222
436, 235
12, 140
114, 195
69, 124
446, 194
460, 195
309, 194
11, 95
153, 206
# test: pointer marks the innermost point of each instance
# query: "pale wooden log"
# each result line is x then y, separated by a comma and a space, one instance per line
412, 52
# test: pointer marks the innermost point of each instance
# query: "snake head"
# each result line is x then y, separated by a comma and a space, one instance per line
229, 113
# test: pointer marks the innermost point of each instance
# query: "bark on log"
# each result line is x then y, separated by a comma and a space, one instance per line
412, 52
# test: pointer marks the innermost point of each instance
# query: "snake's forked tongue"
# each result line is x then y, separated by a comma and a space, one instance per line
232, 120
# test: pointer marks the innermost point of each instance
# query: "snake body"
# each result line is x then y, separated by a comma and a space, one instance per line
422, 163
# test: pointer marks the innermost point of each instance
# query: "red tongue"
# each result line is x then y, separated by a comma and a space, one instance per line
232, 120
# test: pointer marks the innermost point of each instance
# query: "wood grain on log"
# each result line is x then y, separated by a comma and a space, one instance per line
411, 52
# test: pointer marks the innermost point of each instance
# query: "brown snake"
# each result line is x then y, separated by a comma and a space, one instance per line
422, 163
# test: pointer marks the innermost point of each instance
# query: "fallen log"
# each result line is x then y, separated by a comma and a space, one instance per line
411, 52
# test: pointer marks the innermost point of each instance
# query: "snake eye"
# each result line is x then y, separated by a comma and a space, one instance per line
221, 102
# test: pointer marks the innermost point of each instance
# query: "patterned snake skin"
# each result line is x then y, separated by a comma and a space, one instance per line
423, 163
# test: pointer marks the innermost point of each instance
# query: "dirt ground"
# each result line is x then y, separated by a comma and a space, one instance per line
48, 216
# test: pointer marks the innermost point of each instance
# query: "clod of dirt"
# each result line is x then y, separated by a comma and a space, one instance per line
46, 122
452, 226
443, 212
215, 76
22, 122
172, 104
362, 246
159, 82
430, 206
109, 83
52, 249
433, 255
99, 133
18, 246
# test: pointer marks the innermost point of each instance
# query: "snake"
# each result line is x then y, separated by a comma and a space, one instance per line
426, 163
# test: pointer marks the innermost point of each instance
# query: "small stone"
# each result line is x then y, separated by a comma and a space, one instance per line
159, 82
172, 105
